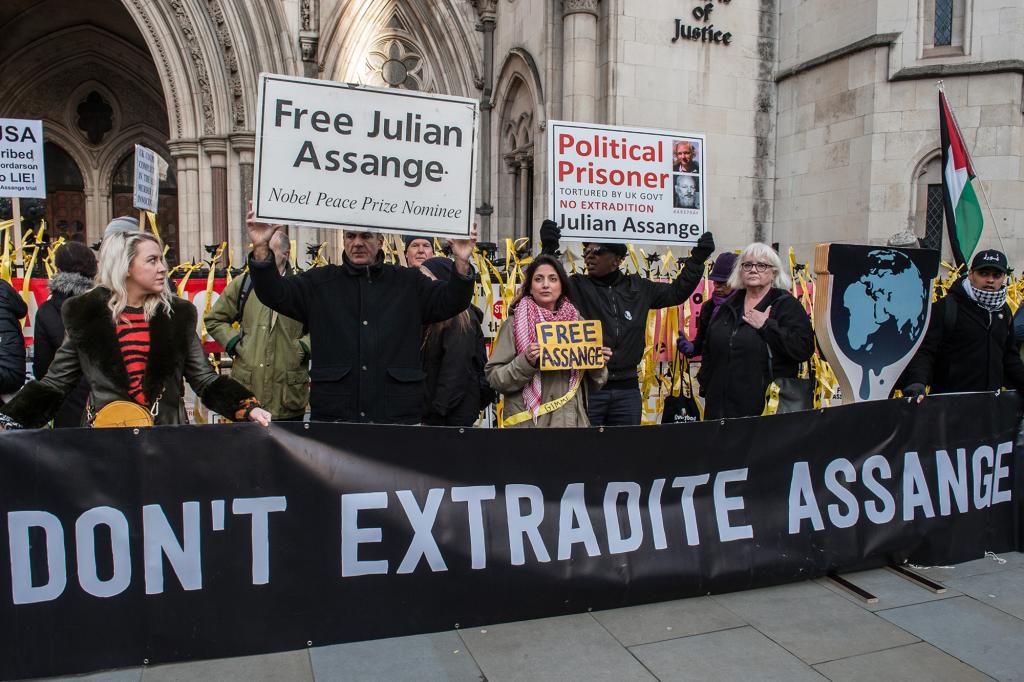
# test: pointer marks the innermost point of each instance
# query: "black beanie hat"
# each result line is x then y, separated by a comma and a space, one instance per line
408, 239
75, 257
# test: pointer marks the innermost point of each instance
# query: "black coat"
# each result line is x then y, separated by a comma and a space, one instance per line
48, 337
454, 361
977, 354
622, 305
365, 327
12, 342
735, 361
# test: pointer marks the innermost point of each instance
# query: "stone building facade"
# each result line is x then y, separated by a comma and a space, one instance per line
820, 115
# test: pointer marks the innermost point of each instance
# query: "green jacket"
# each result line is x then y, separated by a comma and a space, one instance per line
271, 357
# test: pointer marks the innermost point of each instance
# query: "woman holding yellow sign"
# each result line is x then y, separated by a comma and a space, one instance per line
532, 397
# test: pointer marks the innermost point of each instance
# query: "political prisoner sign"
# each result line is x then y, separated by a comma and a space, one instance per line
146, 194
616, 184
339, 155
575, 344
21, 159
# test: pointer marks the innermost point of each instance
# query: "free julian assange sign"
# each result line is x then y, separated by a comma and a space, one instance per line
339, 155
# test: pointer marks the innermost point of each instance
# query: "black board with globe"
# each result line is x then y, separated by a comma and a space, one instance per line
871, 312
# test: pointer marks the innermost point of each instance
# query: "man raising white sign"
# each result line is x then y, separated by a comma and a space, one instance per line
365, 320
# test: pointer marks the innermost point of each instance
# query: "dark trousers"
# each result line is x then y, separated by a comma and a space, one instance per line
614, 407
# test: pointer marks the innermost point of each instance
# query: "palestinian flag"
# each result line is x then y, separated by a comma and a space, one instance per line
963, 211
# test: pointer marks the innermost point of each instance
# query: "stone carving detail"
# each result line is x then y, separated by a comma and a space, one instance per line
576, 6
195, 51
306, 12
487, 10
230, 64
169, 82
393, 63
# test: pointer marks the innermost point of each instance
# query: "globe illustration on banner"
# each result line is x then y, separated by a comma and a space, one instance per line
887, 307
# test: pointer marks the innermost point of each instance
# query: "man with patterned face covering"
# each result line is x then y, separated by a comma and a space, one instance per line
969, 345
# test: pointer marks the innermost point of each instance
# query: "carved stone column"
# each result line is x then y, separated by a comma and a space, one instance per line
186, 162
487, 10
216, 149
525, 164
579, 60
309, 37
244, 145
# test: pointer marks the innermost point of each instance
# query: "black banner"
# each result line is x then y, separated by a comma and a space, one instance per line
121, 547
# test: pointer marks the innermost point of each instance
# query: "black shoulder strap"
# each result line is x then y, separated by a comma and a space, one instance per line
243, 296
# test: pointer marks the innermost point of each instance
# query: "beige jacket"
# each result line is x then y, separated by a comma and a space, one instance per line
508, 372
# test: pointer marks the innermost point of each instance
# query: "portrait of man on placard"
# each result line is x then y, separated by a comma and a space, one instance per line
685, 191
686, 156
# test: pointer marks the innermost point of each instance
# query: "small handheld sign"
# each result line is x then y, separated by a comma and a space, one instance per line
147, 180
22, 173
570, 345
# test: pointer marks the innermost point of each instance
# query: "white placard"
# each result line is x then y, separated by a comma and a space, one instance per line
147, 180
21, 159
618, 184
339, 155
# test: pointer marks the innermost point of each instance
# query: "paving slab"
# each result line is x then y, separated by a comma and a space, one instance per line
667, 620
727, 655
814, 623
293, 666
1003, 590
563, 648
979, 635
919, 662
892, 590
119, 675
436, 656
989, 564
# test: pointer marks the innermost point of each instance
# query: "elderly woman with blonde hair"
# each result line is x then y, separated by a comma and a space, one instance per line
761, 333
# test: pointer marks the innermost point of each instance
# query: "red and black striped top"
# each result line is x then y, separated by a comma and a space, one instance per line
133, 337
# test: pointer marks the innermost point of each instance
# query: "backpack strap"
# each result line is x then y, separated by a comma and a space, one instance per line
243, 296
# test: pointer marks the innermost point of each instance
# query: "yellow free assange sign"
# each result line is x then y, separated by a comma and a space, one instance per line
570, 345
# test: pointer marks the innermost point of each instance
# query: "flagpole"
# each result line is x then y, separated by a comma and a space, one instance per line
981, 183
995, 225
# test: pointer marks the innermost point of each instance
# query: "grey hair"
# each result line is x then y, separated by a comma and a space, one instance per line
116, 255
759, 252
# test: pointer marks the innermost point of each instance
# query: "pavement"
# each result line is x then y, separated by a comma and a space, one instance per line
812, 630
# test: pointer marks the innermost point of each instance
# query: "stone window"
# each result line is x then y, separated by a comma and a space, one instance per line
944, 23
516, 186
928, 220
934, 219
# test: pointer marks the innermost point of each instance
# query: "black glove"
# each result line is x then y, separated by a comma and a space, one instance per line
915, 390
550, 233
705, 247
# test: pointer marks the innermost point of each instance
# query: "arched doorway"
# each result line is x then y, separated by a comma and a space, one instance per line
121, 191
65, 195
84, 68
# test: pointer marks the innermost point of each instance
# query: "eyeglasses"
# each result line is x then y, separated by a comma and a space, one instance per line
595, 251
751, 267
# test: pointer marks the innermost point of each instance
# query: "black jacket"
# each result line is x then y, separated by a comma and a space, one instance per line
365, 326
91, 349
48, 337
622, 304
977, 354
12, 342
735, 360
454, 361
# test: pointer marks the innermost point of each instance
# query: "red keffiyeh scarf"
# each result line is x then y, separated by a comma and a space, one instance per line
527, 314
